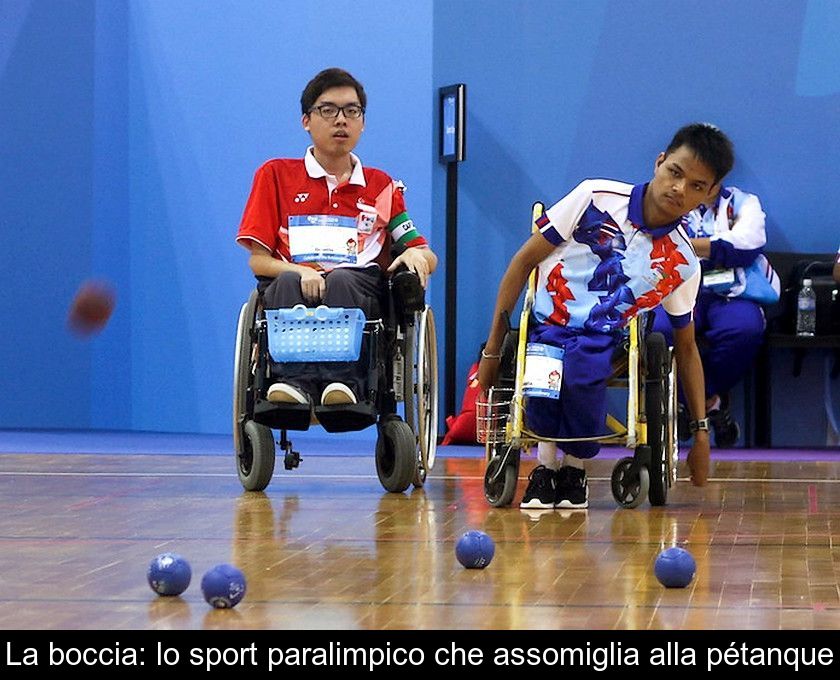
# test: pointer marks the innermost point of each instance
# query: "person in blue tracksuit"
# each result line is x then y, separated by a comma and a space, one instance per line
728, 234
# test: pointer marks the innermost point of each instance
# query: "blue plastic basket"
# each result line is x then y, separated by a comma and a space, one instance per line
319, 334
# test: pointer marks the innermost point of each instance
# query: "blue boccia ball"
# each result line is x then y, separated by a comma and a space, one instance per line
169, 574
475, 549
674, 567
223, 586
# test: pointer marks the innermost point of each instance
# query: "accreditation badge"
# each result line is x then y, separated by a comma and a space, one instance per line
325, 239
543, 370
719, 280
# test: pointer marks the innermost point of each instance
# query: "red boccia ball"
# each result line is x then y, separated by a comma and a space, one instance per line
91, 308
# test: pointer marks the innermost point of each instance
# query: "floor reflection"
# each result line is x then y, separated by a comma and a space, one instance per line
328, 548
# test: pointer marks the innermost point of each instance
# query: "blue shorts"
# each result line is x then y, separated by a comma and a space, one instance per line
581, 410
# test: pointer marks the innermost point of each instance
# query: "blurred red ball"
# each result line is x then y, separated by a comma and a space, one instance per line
91, 308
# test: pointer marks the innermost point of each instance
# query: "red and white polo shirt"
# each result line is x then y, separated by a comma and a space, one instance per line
298, 212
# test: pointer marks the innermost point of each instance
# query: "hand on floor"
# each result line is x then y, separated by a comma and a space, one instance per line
699, 459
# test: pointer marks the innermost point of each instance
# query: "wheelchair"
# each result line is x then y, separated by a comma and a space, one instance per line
643, 364
398, 355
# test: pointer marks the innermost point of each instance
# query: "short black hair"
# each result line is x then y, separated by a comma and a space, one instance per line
326, 79
709, 144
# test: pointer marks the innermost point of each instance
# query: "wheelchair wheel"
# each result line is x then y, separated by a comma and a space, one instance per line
673, 422
256, 463
660, 407
243, 375
396, 455
501, 475
630, 484
420, 389
253, 443
420, 475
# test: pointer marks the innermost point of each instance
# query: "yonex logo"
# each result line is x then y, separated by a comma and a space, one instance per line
300, 198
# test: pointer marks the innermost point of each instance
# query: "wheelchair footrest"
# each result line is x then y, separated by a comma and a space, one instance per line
282, 416
346, 417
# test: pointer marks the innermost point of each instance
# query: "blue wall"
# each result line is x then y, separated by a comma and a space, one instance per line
130, 131
560, 90
212, 95
128, 155
46, 208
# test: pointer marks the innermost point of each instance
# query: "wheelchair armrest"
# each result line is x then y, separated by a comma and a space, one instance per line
409, 294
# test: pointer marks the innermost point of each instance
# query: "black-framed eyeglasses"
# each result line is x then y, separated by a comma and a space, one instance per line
331, 110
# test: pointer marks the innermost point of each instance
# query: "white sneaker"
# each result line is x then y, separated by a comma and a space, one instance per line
337, 393
283, 393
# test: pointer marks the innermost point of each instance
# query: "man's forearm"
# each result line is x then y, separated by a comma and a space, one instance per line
510, 288
690, 369
702, 246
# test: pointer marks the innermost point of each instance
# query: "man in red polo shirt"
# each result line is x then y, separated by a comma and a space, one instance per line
320, 228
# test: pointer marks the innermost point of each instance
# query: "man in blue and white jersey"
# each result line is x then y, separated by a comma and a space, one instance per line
605, 252
728, 234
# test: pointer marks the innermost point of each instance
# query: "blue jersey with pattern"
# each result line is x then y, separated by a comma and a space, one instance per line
608, 265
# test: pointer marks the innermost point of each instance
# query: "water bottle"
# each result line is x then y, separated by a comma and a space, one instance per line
806, 310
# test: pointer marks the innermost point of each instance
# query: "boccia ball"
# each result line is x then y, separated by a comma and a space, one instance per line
223, 586
169, 574
91, 308
674, 567
475, 549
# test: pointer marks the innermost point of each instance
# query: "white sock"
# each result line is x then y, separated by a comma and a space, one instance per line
715, 406
571, 461
547, 455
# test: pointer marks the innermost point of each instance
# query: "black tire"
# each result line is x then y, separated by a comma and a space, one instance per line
629, 489
500, 493
420, 396
243, 377
396, 455
657, 395
256, 462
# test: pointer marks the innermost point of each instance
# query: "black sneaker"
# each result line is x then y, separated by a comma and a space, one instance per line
726, 430
572, 489
542, 489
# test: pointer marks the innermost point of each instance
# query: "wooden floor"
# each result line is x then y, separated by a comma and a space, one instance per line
326, 547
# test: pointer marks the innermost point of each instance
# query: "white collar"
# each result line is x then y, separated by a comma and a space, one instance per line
315, 170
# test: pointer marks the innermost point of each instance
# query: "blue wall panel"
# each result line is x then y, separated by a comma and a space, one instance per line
211, 96
46, 215
560, 91
130, 133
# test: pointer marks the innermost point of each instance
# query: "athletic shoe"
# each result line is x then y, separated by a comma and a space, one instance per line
542, 489
336, 394
283, 393
572, 489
